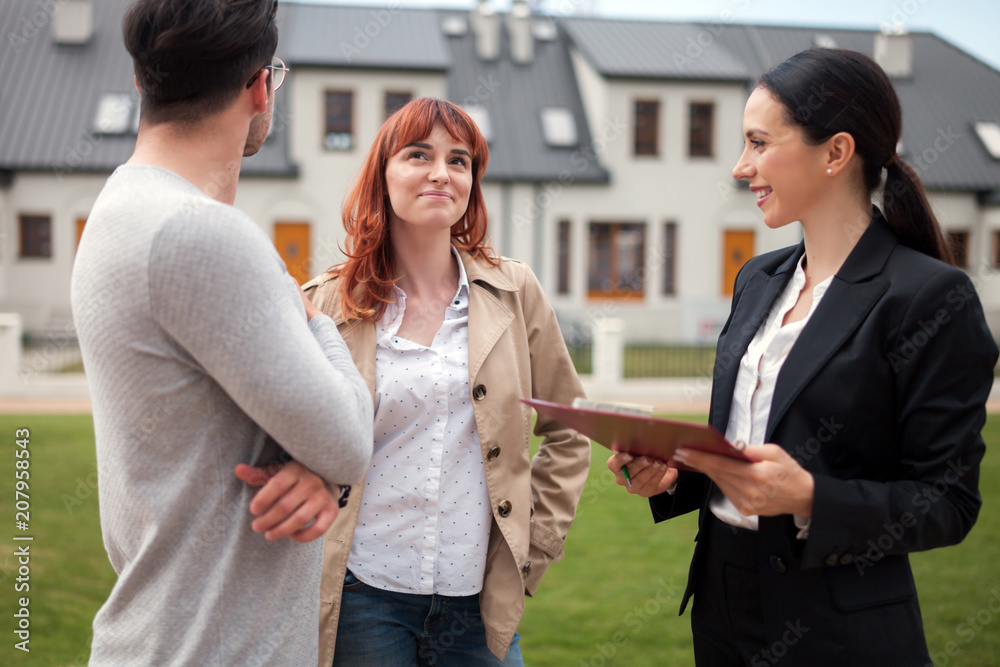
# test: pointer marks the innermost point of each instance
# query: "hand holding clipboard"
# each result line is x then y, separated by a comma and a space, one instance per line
639, 434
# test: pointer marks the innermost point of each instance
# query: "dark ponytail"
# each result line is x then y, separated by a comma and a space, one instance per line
826, 91
906, 209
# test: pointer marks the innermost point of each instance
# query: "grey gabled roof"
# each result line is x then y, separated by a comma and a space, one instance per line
374, 36
50, 92
514, 96
379, 37
949, 90
938, 115
50, 95
655, 49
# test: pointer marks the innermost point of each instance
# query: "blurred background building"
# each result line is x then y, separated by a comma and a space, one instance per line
612, 144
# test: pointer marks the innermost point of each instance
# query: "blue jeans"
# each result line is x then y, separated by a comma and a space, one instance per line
386, 629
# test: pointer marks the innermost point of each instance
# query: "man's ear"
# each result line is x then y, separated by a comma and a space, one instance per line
260, 90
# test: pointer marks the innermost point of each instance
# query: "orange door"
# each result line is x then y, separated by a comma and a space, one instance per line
737, 248
292, 241
80, 223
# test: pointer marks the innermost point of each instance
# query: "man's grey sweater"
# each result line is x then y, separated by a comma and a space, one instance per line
199, 357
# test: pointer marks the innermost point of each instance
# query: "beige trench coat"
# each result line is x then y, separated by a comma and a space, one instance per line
516, 350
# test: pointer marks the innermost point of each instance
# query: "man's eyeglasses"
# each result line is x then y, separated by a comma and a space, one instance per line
278, 71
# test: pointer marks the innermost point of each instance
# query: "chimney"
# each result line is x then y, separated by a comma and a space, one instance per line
522, 42
486, 25
894, 52
73, 21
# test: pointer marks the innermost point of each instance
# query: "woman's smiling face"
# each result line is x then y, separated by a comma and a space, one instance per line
429, 181
787, 175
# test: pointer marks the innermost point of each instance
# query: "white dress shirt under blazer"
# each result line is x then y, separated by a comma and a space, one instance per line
755, 383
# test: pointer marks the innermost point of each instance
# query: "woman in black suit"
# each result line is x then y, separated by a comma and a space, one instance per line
862, 358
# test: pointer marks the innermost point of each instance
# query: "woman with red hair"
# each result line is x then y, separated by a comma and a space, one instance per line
431, 558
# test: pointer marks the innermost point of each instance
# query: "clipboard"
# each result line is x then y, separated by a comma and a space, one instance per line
639, 434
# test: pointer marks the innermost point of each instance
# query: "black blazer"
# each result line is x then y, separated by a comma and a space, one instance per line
882, 400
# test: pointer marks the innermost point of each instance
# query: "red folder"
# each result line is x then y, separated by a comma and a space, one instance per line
639, 435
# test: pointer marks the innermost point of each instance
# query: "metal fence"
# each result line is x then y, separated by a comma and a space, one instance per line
56, 354
651, 360
655, 360
50, 353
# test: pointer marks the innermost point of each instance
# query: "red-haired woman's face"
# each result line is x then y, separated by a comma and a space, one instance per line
429, 181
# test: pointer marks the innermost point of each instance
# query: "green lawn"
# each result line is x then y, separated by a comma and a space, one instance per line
612, 601
70, 574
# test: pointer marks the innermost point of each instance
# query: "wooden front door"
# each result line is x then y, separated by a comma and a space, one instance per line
737, 248
292, 241
80, 224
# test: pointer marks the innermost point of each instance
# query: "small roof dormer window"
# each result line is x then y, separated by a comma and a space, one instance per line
989, 134
481, 115
559, 127
117, 113
824, 41
454, 26
545, 31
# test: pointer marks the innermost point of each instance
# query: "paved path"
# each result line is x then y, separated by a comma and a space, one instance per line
675, 396
45, 406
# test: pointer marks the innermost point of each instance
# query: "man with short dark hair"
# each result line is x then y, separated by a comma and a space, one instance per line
209, 370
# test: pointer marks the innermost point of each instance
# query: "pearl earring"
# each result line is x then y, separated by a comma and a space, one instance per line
830, 171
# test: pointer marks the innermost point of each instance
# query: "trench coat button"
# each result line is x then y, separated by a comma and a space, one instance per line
527, 569
493, 453
846, 559
778, 565
504, 508
831, 559
479, 393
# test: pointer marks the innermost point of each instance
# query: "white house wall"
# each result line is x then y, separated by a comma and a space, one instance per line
325, 176
495, 194
38, 288
987, 276
961, 212
7, 240
698, 194
593, 91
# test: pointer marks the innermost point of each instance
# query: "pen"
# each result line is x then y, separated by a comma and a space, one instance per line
628, 478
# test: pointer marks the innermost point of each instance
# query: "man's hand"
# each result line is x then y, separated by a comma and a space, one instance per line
294, 501
311, 310
650, 477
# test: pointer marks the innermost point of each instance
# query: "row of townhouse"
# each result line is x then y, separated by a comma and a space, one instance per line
612, 144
